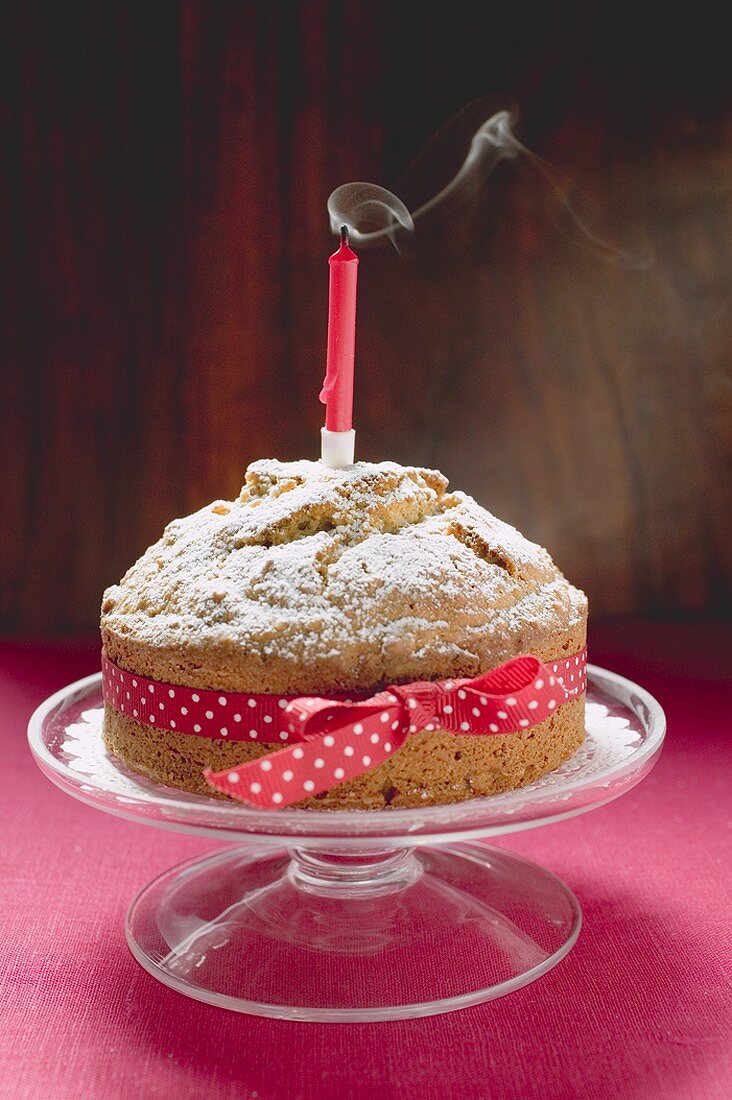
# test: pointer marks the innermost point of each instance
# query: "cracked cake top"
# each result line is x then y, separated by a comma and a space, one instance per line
316, 579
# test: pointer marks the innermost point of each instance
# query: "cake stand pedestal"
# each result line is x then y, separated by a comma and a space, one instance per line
353, 916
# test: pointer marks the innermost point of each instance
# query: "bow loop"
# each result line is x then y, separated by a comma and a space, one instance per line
420, 703
311, 716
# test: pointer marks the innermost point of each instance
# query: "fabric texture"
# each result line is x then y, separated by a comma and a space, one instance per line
639, 1009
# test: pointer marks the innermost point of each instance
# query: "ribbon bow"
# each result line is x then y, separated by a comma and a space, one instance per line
339, 740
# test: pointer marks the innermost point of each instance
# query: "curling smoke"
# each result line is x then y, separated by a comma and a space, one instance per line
374, 214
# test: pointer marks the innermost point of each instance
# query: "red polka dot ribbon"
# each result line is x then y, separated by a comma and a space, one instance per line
323, 742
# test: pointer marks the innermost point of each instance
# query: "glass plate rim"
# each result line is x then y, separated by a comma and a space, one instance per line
287, 824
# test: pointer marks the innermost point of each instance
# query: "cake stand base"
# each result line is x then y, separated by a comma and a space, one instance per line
303, 934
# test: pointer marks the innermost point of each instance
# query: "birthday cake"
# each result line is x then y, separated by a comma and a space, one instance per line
343, 639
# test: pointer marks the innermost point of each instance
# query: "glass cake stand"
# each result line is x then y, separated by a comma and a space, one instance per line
353, 915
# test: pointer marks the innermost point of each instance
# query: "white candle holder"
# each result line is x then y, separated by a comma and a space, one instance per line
337, 449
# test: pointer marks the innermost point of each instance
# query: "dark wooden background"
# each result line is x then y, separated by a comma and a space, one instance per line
165, 169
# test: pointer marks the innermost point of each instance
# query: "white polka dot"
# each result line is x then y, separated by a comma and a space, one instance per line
539, 685
255, 788
319, 763
365, 760
282, 703
268, 718
510, 702
196, 698
135, 713
387, 746
533, 704
385, 716
411, 703
233, 777
151, 718
576, 660
555, 668
297, 754
429, 727
172, 723
348, 750
461, 694
309, 785
339, 773
447, 708
184, 710
209, 714
277, 797
552, 681
329, 741
266, 765
151, 689
502, 714
374, 738
284, 735
523, 721
483, 700
551, 704
288, 775
465, 725
196, 728
222, 700
253, 733
251, 702
291, 727
223, 731
237, 718
171, 693
127, 694
161, 706
412, 729
571, 678
395, 725
493, 727
476, 712
358, 728
134, 683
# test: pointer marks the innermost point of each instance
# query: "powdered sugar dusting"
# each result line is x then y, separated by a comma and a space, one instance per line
376, 563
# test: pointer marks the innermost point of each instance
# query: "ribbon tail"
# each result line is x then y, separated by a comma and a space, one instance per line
315, 765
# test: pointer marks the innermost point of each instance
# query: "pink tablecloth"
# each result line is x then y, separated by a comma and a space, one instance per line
639, 1009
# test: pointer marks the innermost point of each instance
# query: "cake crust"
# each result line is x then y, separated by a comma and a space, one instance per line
319, 579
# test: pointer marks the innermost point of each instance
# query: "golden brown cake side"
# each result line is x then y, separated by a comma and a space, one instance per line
429, 769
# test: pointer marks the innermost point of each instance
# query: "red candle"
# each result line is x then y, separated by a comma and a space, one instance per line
337, 391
